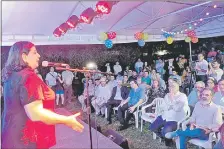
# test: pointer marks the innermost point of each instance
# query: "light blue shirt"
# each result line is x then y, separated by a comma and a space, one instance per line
135, 96
192, 98
218, 99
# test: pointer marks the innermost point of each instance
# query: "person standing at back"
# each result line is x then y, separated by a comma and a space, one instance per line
51, 78
201, 68
68, 76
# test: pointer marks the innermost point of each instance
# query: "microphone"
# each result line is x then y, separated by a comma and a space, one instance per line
52, 64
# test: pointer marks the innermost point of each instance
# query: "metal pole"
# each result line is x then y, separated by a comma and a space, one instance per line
89, 112
190, 52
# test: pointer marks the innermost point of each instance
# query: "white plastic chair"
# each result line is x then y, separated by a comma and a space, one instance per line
138, 111
188, 113
150, 117
207, 144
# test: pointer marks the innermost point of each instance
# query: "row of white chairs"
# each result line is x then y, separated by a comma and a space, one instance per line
151, 117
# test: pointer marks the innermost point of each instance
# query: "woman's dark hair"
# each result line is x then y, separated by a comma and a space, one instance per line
15, 62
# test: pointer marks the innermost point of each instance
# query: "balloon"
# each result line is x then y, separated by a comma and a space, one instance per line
187, 39
114, 35
109, 35
191, 33
194, 39
145, 36
103, 36
141, 43
169, 40
108, 43
138, 36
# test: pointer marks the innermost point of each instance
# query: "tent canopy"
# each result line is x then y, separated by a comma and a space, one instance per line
36, 20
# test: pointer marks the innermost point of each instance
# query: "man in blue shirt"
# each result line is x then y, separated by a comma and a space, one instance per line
135, 98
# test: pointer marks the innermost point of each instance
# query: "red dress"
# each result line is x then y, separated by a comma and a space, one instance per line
18, 131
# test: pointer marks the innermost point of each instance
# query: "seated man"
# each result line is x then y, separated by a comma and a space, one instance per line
134, 99
146, 78
102, 95
219, 96
119, 93
194, 96
174, 109
206, 117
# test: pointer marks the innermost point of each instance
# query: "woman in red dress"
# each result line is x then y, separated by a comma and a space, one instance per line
29, 119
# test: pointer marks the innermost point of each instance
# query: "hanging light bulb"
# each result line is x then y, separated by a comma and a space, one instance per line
215, 6
201, 19
207, 13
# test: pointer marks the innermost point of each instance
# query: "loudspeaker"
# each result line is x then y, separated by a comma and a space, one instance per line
117, 138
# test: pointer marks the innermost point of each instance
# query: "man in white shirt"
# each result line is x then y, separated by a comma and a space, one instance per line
51, 78
117, 68
219, 96
68, 76
215, 70
103, 94
206, 117
139, 66
201, 68
175, 108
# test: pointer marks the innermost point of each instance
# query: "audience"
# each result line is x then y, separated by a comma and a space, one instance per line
156, 91
175, 107
139, 66
68, 78
117, 68
59, 90
201, 68
106, 92
91, 91
212, 84
101, 98
215, 70
119, 93
195, 94
135, 98
146, 79
111, 82
219, 96
51, 78
220, 144
206, 117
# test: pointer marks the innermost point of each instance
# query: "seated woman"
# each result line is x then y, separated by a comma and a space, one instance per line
174, 106
83, 98
155, 92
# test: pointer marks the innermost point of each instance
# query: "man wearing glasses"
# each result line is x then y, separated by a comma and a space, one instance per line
206, 117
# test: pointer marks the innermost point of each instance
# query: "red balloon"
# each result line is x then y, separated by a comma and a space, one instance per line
114, 35
191, 34
109, 35
194, 39
138, 36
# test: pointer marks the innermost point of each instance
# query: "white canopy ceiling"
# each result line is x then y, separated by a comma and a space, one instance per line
36, 20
